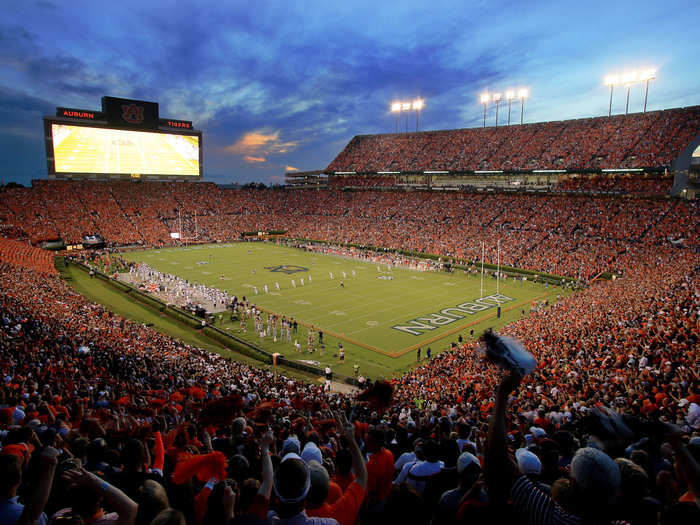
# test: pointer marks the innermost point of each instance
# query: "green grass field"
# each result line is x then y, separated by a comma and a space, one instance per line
122, 304
381, 316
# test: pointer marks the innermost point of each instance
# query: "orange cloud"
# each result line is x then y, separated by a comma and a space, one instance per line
261, 143
290, 168
250, 159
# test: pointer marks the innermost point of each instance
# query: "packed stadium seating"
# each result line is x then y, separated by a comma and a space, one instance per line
104, 419
566, 235
648, 140
626, 184
91, 384
24, 255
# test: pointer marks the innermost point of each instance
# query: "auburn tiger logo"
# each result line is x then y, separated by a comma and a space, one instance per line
132, 113
287, 268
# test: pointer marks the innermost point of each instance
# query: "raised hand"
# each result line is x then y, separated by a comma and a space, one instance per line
268, 439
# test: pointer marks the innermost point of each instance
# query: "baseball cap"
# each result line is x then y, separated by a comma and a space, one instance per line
465, 460
468, 468
537, 432
528, 462
320, 482
291, 444
292, 479
18, 414
311, 452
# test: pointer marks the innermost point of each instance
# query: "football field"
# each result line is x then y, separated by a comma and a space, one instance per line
381, 315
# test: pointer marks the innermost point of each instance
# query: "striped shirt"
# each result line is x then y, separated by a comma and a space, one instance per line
537, 507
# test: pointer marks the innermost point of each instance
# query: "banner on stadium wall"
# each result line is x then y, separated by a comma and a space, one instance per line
174, 235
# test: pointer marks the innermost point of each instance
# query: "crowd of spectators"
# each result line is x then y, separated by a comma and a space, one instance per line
627, 184
106, 420
362, 181
102, 419
567, 235
652, 139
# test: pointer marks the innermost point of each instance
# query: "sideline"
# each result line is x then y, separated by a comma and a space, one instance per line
216, 346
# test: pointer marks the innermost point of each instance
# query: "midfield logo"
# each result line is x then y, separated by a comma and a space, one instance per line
287, 268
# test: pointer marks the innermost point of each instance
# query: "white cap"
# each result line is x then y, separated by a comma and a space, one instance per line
528, 462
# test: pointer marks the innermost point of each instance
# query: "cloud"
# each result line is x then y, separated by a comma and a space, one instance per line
261, 143
269, 97
290, 168
253, 141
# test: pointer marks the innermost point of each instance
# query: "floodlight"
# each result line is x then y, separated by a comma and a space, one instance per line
496, 97
395, 107
523, 93
406, 106
484, 98
629, 77
611, 80
418, 104
510, 94
647, 74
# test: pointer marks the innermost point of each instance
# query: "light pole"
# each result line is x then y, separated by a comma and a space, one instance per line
400, 107
406, 106
496, 99
484, 100
396, 108
645, 76
417, 105
628, 79
522, 95
510, 95
611, 80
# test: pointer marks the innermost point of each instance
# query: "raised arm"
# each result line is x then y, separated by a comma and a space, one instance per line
686, 462
358, 462
500, 469
37, 501
124, 506
265, 489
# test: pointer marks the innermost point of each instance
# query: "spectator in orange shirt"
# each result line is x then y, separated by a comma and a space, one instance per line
345, 509
380, 468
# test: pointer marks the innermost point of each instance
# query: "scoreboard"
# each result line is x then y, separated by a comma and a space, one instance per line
127, 139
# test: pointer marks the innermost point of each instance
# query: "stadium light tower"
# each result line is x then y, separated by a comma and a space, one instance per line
629, 78
645, 76
496, 99
406, 106
417, 106
396, 108
510, 95
484, 100
611, 80
523, 93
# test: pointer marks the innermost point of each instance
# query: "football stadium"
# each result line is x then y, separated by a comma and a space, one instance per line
492, 323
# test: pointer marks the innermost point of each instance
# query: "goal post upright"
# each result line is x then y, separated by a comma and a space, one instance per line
498, 267
483, 248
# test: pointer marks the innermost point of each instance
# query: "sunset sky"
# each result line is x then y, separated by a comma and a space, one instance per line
285, 85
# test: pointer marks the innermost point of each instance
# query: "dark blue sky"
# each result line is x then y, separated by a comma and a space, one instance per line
287, 84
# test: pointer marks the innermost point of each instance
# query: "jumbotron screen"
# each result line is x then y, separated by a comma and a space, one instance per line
81, 149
